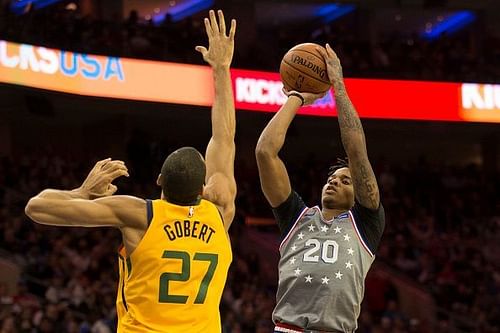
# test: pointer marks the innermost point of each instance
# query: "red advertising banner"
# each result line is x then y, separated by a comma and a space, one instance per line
165, 82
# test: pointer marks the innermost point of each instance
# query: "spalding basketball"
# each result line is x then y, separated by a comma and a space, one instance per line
303, 69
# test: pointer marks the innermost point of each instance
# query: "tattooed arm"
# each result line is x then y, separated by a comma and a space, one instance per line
353, 137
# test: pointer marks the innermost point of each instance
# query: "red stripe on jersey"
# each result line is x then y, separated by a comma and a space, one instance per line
359, 235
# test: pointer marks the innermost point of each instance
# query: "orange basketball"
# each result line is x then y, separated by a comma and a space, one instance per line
303, 69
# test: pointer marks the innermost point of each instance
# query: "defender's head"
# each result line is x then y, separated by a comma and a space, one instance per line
183, 176
338, 192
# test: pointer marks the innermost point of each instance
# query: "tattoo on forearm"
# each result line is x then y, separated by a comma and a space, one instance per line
348, 118
365, 184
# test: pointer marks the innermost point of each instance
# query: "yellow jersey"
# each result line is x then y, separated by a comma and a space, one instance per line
121, 305
178, 271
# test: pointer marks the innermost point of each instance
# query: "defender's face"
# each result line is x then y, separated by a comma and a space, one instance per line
338, 192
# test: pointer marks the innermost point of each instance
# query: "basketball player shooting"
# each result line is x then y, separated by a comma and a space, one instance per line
325, 252
177, 247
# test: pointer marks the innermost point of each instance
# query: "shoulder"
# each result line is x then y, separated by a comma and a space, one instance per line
294, 202
222, 193
225, 212
363, 214
370, 223
220, 189
288, 211
132, 211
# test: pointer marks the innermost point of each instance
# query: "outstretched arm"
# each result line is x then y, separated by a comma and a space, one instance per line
352, 134
220, 183
273, 175
73, 208
114, 211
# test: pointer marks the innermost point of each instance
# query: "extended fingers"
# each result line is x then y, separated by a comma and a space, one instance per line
222, 22
208, 28
203, 50
213, 22
232, 30
112, 164
330, 51
113, 167
117, 173
101, 163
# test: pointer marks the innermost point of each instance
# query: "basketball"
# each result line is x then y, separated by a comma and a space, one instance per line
303, 69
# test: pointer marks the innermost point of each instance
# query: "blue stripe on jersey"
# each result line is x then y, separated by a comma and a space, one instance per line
343, 215
149, 207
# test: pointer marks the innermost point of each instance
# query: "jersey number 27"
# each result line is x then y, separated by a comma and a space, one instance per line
184, 275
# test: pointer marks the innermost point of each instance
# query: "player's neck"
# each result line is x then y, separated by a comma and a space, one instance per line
329, 214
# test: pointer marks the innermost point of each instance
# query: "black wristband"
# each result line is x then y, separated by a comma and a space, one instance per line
299, 96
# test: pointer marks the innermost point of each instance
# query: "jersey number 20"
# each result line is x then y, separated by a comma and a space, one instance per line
184, 275
328, 256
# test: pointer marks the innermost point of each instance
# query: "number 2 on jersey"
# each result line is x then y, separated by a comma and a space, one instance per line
327, 256
184, 275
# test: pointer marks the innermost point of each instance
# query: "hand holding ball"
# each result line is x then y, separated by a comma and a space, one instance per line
303, 69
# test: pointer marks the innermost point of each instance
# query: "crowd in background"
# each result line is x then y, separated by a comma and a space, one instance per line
469, 56
441, 224
442, 221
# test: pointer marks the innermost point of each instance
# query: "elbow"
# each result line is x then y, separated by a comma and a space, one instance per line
32, 208
266, 147
263, 151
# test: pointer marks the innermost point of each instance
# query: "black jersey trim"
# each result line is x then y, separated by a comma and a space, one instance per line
293, 227
359, 235
149, 208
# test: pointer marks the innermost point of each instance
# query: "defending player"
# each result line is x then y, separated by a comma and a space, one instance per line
177, 247
326, 252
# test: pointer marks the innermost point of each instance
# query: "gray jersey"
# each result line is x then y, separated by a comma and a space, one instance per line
322, 270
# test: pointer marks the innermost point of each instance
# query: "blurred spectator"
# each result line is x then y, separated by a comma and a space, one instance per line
432, 235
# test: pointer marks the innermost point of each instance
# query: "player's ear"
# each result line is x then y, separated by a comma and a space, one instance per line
159, 179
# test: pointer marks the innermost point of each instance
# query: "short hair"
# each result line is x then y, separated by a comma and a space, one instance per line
341, 163
183, 176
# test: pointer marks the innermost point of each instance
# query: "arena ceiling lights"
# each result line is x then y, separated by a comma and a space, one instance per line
448, 24
21, 6
182, 10
330, 12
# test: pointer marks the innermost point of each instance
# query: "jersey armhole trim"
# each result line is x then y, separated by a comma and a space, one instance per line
120, 248
293, 227
124, 301
222, 221
149, 208
359, 235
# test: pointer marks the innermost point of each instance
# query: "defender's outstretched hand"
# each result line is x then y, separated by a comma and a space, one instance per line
98, 182
220, 46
